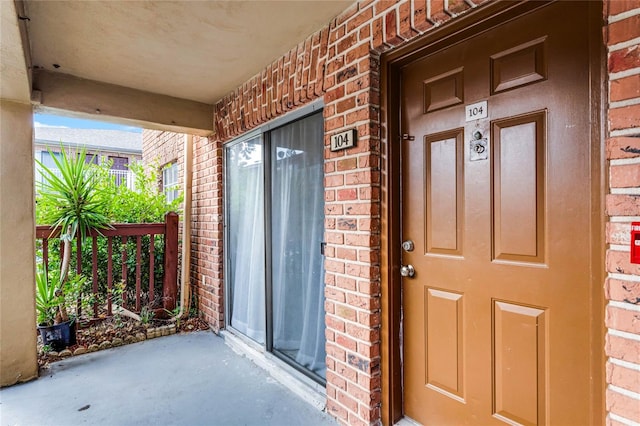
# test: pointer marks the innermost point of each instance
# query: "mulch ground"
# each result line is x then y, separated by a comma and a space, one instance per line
108, 333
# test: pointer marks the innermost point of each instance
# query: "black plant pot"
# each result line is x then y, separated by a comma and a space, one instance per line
59, 336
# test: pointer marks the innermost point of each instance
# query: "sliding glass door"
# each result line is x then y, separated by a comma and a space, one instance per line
282, 305
245, 238
297, 229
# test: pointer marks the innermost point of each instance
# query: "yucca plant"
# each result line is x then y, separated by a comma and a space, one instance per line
47, 301
79, 207
50, 294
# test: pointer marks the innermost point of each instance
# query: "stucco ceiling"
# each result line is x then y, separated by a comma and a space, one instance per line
195, 50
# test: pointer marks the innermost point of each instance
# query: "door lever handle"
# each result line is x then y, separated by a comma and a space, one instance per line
407, 271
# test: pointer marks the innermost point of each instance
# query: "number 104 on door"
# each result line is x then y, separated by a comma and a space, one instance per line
476, 111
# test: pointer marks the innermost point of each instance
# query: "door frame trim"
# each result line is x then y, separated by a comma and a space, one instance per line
482, 18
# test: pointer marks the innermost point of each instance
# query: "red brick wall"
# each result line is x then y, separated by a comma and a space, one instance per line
622, 287
206, 213
207, 230
161, 148
341, 64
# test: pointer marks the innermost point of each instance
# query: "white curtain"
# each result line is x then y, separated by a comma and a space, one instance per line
297, 232
245, 215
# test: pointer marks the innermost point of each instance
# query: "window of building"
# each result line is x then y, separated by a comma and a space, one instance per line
170, 181
275, 226
119, 169
47, 159
91, 158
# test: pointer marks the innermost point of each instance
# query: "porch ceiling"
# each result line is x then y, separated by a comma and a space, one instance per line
195, 50
155, 64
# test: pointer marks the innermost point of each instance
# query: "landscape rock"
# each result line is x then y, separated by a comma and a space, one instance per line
65, 353
105, 345
93, 347
141, 337
130, 339
116, 342
81, 350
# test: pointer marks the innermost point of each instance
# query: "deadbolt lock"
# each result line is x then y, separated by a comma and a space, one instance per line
479, 147
407, 271
407, 245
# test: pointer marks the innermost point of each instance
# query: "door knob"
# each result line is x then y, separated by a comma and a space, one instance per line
407, 245
407, 271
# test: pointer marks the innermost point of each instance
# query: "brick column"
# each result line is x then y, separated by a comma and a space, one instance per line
207, 230
622, 287
352, 197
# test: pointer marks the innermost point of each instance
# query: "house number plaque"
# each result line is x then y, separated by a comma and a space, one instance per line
343, 140
476, 111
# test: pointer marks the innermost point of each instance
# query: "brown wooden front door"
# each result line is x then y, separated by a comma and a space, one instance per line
497, 199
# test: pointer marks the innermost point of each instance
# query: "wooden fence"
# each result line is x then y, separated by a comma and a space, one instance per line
123, 232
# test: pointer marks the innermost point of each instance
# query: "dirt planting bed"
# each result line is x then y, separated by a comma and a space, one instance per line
111, 332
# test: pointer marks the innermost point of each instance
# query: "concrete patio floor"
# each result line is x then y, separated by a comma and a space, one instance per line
184, 379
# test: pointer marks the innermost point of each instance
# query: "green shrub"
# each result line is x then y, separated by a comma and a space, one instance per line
144, 204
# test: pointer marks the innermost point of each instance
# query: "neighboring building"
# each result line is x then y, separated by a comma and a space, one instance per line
117, 147
164, 149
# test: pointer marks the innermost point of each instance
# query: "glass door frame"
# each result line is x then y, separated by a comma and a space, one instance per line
226, 268
263, 133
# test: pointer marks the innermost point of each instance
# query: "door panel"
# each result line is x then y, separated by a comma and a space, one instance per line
444, 197
519, 363
518, 187
444, 90
519, 66
444, 341
496, 319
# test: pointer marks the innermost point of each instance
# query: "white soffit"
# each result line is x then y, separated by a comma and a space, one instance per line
195, 50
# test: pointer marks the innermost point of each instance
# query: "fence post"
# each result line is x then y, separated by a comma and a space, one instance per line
170, 284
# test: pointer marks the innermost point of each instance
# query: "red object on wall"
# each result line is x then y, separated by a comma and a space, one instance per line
635, 242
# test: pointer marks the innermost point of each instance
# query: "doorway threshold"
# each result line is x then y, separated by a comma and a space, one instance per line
290, 378
407, 421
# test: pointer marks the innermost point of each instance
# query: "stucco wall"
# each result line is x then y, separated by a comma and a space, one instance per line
17, 245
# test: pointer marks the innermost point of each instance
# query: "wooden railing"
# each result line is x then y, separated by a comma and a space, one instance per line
168, 229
